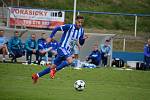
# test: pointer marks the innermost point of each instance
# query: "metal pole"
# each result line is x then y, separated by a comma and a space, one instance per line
8, 15
18, 3
110, 60
124, 44
12, 2
135, 28
74, 11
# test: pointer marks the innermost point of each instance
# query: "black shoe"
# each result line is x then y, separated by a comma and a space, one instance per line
4, 61
14, 60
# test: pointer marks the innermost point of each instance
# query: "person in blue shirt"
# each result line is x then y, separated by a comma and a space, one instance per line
71, 32
105, 50
42, 38
31, 48
40, 42
147, 54
44, 49
3, 46
54, 44
15, 47
95, 56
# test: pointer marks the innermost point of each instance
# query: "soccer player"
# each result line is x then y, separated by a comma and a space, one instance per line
147, 54
71, 32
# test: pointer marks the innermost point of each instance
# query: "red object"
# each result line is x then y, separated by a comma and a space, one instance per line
52, 73
34, 78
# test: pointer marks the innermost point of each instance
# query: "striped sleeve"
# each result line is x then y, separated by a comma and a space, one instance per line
60, 28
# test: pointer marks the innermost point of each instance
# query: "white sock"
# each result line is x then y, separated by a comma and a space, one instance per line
37, 74
3, 58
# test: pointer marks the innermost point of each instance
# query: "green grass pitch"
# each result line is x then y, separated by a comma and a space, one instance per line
101, 84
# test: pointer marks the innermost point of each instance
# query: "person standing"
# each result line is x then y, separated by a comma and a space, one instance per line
31, 48
105, 50
147, 54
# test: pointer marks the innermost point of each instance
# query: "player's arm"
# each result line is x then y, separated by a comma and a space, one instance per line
89, 57
58, 28
82, 39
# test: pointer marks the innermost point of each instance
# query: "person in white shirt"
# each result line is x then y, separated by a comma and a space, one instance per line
3, 46
105, 52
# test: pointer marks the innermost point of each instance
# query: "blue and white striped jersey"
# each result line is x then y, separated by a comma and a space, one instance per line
71, 35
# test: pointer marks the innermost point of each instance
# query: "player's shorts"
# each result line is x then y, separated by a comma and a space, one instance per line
62, 55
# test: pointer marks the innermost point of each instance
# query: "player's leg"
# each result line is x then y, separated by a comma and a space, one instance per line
35, 76
64, 57
63, 64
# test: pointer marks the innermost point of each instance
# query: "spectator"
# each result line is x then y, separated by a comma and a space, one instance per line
31, 48
95, 56
53, 52
3, 46
43, 50
41, 40
147, 54
75, 52
15, 47
105, 52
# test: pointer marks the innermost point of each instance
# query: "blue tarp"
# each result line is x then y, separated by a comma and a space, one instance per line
129, 56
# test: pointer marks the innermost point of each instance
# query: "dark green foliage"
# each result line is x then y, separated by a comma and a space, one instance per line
99, 21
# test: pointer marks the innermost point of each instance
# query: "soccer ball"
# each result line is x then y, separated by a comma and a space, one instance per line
79, 85
42, 63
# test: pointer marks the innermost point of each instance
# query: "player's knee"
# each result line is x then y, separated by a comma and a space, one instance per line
70, 60
53, 66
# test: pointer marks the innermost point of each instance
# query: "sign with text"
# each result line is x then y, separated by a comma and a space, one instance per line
36, 18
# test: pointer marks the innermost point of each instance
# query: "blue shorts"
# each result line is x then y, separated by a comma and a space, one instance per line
62, 54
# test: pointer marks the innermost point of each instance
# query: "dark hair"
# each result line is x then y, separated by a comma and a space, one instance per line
79, 17
107, 40
16, 32
43, 33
